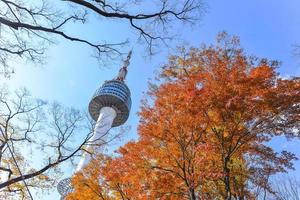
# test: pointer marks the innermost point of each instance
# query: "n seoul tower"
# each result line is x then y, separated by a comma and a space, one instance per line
109, 107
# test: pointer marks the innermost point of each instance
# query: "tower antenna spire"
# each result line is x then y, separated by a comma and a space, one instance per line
123, 71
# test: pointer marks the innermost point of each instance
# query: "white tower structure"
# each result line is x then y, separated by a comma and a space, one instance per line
109, 107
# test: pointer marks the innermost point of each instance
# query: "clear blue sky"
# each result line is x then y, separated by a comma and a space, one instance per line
267, 28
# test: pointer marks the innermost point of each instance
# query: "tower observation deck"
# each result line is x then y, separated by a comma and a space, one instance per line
114, 94
109, 107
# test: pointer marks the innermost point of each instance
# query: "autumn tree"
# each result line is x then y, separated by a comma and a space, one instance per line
28, 27
204, 130
168, 162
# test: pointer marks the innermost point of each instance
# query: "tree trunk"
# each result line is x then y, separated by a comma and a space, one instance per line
227, 180
192, 194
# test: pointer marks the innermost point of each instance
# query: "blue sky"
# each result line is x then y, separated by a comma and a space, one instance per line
267, 28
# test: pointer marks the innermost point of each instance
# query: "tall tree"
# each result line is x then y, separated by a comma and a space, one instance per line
28, 27
246, 103
204, 132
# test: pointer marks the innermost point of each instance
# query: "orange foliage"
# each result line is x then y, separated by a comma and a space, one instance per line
88, 182
204, 136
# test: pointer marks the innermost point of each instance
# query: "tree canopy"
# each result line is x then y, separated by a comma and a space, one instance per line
203, 131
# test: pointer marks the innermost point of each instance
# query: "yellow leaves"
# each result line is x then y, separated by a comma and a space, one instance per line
169, 73
226, 133
43, 177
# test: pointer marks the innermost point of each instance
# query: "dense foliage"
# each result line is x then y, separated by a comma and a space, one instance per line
204, 132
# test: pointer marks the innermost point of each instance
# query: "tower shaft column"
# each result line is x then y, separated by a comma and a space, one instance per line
103, 125
110, 106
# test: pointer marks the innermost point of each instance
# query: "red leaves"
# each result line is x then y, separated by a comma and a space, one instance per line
206, 130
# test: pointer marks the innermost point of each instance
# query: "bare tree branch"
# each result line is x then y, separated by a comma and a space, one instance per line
26, 123
27, 28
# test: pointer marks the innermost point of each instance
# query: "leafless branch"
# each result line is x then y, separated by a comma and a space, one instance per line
53, 129
27, 28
